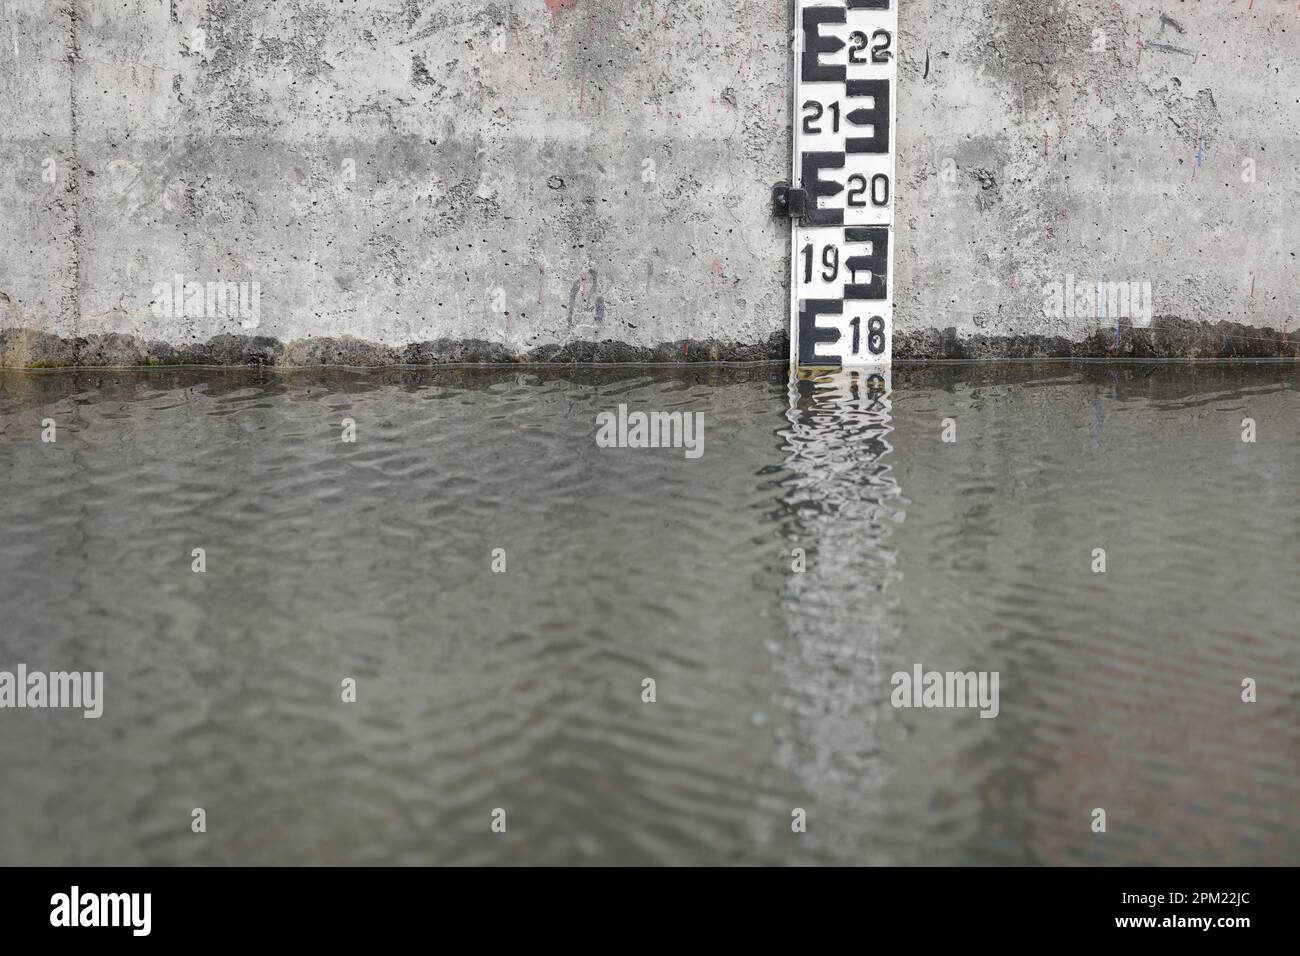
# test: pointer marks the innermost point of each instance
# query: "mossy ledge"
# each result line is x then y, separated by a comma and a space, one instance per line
1168, 337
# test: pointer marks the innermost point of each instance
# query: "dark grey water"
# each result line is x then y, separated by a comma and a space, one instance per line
523, 690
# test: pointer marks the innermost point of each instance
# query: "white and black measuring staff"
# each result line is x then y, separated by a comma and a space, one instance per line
842, 200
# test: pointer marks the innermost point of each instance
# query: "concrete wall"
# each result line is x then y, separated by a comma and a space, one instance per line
463, 180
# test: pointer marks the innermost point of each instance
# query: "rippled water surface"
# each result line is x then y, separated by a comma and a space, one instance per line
523, 690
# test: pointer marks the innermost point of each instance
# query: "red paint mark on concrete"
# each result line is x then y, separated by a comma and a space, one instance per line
1252, 285
582, 93
1013, 280
556, 6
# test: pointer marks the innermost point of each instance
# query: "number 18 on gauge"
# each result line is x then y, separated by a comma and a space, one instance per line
842, 200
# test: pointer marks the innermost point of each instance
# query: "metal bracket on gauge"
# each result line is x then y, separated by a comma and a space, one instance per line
788, 201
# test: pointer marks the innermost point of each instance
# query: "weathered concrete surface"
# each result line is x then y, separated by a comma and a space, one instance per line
587, 180
1109, 141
